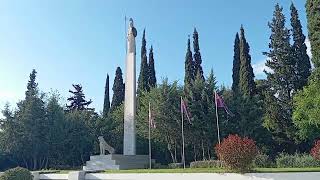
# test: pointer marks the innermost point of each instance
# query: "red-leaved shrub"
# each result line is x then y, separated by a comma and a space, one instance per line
315, 151
237, 153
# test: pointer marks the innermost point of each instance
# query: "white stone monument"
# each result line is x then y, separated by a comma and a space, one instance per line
129, 159
129, 136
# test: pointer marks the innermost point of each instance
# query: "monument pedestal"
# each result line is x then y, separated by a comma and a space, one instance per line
116, 162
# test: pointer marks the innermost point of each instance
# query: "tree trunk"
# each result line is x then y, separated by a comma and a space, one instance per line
203, 154
194, 153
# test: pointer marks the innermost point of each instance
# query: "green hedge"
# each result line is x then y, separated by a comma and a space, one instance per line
175, 165
263, 161
206, 164
17, 173
296, 161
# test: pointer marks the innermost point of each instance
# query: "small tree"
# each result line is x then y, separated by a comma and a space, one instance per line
237, 153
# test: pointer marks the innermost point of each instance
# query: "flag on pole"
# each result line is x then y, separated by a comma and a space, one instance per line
184, 110
151, 118
220, 104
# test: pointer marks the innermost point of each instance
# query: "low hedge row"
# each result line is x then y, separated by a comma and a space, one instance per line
296, 161
206, 164
17, 173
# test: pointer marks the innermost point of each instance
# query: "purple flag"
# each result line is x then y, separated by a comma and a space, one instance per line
184, 110
220, 104
151, 118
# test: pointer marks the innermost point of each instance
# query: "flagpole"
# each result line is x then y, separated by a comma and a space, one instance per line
217, 116
149, 136
182, 133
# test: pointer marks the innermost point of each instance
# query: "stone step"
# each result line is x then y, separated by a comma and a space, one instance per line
100, 167
101, 157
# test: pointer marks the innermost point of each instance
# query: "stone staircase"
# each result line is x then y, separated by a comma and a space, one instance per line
116, 161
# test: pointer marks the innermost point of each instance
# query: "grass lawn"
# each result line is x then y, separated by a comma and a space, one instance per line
214, 170
196, 170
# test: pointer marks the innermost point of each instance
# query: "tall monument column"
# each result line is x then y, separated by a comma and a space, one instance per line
129, 138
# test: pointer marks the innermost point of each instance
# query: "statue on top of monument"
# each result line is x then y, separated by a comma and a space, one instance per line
132, 33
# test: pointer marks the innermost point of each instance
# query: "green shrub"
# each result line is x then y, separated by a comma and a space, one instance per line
206, 164
262, 161
296, 161
175, 165
17, 173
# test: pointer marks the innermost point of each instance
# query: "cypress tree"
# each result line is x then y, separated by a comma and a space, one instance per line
118, 90
189, 75
236, 64
246, 77
299, 50
152, 71
313, 16
106, 104
143, 84
281, 82
197, 55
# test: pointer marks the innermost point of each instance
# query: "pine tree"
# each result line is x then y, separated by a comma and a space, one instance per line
152, 72
106, 104
299, 48
32, 87
189, 75
247, 85
77, 100
281, 80
313, 16
197, 55
236, 64
118, 90
143, 84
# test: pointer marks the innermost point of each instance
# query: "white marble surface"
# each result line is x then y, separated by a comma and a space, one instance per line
129, 136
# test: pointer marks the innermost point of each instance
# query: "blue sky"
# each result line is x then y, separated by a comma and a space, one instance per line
80, 41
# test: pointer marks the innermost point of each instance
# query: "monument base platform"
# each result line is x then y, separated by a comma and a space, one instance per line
116, 161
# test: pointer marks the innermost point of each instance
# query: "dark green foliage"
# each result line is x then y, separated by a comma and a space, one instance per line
166, 138
77, 100
106, 103
281, 81
197, 55
200, 134
118, 90
299, 48
236, 64
189, 69
143, 80
247, 85
247, 120
313, 16
306, 115
17, 173
152, 71
32, 87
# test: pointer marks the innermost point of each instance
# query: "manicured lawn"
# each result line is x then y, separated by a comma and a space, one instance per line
214, 170
198, 170
273, 170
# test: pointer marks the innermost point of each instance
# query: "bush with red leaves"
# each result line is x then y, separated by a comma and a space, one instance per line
315, 151
237, 153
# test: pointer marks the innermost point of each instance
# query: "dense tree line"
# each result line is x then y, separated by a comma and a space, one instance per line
280, 112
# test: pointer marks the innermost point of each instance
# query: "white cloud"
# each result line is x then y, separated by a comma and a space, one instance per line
307, 41
259, 67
